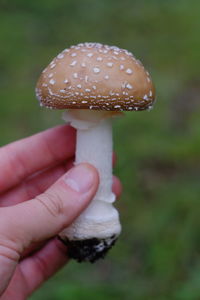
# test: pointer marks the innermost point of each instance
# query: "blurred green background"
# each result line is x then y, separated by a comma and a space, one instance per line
157, 255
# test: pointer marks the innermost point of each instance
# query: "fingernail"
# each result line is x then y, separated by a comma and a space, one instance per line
80, 178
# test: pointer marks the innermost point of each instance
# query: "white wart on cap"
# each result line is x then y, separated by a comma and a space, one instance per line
98, 77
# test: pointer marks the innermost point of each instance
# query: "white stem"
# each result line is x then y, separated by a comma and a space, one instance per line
94, 145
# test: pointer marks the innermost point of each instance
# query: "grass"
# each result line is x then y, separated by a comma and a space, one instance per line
157, 255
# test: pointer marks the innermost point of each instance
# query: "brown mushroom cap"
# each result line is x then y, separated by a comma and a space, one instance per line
95, 76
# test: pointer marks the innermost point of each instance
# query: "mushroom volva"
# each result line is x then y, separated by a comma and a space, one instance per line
95, 82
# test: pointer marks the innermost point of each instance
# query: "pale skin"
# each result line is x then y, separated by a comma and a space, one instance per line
40, 194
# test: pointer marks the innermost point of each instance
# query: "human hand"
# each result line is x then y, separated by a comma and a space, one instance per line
35, 168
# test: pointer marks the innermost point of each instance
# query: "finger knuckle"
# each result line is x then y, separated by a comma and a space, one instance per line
52, 203
42, 267
9, 249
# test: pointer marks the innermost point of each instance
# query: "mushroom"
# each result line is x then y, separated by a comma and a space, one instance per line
95, 83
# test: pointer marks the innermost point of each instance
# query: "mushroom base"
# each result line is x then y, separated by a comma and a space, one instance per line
90, 249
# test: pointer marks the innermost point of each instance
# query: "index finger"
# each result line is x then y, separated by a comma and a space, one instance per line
20, 159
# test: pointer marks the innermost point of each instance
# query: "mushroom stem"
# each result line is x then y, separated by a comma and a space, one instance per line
100, 220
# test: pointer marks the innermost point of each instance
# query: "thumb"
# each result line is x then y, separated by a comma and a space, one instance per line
49, 213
